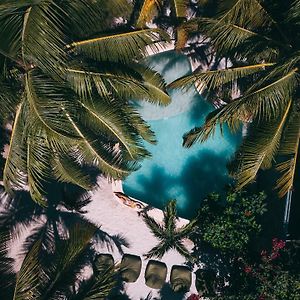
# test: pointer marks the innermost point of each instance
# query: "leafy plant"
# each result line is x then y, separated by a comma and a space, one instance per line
271, 276
169, 235
229, 224
261, 42
68, 74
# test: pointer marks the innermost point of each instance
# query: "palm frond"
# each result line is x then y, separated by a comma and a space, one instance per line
8, 97
248, 13
217, 78
121, 47
43, 31
293, 12
147, 9
260, 148
154, 226
170, 216
140, 125
47, 99
186, 230
289, 147
30, 276
95, 152
38, 169
154, 84
65, 169
159, 250
6, 263
179, 8
263, 103
123, 81
15, 165
101, 286
88, 17
108, 118
181, 249
68, 254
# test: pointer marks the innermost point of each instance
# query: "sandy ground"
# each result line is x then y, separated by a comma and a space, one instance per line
116, 218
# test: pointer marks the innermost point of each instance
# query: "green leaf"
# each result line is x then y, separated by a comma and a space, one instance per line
121, 47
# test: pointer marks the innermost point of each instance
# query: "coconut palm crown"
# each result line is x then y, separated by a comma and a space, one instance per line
68, 73
261, 39
168, 234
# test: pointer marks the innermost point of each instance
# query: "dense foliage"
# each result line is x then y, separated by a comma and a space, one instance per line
229, 224
68, 73
258, 84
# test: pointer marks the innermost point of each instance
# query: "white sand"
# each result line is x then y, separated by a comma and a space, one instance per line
116, 218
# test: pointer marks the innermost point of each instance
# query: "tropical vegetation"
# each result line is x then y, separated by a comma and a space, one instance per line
71, 76
258, 84
168, 234
57, 272
229, 224
68, 73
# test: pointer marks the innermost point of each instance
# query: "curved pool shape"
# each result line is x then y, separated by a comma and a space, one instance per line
174, 172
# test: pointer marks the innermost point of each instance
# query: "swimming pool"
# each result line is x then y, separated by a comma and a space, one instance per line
174, 172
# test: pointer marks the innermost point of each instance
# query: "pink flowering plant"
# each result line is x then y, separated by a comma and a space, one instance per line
270, 277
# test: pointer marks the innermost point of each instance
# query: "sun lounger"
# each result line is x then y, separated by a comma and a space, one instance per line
181, 279
130, 267
155, 275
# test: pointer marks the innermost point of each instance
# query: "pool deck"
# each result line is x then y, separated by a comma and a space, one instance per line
116, 218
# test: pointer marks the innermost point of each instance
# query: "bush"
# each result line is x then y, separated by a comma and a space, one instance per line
228, 225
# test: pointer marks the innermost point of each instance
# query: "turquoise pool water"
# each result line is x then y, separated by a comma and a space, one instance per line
174, 172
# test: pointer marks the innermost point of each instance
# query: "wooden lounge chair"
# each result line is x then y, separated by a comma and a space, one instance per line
130, 267
206, 282
155, 275
181, 279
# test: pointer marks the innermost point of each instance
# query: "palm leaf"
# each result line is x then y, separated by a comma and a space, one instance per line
249, 13
125, 82
47, 98
67, 170
289, 147
101, 286
155, 227
181, 249
64, 266
88, 17
38, 169
170, 216
95, 152
108, 118
217, 78
42, 31
260, 148
121, 47
146, 11
30, 276
159, 250
15, 164
140, 125
179, 8
186, 230
264, 103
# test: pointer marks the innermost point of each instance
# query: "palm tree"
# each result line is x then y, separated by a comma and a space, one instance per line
68, 73
170, 237
58, 275
53, 223
261, 39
